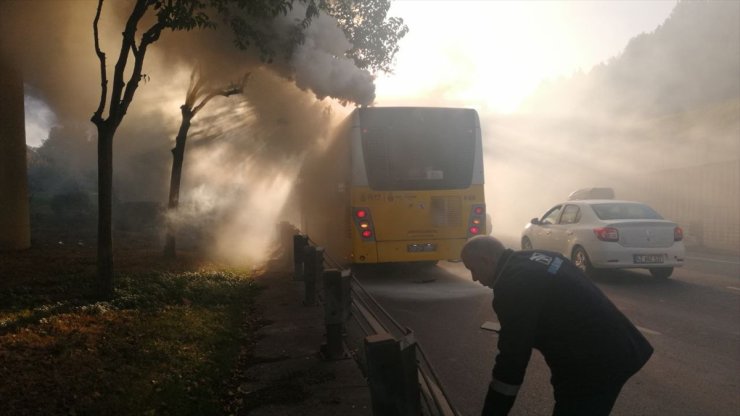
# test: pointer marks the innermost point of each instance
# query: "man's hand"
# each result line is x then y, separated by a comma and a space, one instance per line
497, 404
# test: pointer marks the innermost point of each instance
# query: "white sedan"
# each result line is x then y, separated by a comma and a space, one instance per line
608, 234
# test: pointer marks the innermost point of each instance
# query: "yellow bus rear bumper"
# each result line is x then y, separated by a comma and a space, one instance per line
413, 250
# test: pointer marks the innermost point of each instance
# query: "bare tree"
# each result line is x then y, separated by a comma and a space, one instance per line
175, 15
197, 90
246, 19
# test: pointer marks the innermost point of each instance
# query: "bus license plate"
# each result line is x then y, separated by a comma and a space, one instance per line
648, 258
421, 248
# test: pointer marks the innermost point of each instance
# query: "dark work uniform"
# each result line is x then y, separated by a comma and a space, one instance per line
543, 301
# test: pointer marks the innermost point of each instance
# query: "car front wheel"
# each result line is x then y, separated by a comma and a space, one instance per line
526, 244
580, 259
661, 272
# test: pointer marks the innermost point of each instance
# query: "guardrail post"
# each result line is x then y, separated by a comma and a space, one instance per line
410, 394
285, 233
313, 266
346, 295
392, 376
336, 311
300, 242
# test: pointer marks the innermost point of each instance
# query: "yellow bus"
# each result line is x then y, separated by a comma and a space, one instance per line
396, 184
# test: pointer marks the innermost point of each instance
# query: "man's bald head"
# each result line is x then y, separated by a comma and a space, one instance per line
480, 255
482, 245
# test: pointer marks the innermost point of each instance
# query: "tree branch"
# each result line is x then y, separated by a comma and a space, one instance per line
98, 115
196, 85
149, 37
230, 90
117, 106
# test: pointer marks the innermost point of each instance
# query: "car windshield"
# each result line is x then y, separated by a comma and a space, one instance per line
625, 211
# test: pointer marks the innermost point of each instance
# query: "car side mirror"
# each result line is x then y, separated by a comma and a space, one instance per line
535, 221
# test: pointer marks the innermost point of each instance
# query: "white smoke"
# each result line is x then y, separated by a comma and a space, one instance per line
319, 64
242, 151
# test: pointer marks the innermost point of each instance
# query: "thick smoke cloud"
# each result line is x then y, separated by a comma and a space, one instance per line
320, 67
243, 151
317, 64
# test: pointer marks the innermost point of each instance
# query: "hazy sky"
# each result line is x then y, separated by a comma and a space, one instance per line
487, 54
492, 54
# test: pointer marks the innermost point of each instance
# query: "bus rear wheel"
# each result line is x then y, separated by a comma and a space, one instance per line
421, 264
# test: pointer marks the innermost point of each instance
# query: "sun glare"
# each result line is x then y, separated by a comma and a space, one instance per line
486, 60
492, 55
39, 120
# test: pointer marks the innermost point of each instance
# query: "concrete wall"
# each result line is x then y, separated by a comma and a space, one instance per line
704, 200
14, 206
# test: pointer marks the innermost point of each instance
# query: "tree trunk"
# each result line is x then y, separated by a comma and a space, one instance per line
178, 155
105, 193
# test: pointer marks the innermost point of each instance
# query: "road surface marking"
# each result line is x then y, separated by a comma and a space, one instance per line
648, 331
714, 260
491, 326
733, 288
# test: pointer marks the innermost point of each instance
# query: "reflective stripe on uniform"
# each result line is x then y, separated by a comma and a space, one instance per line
504, 388
555, 265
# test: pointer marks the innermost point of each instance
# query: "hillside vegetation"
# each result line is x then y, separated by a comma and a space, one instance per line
690, 61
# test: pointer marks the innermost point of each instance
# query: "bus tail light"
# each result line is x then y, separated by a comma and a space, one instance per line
477, 221
363, 223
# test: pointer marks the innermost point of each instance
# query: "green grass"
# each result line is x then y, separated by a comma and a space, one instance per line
166, 344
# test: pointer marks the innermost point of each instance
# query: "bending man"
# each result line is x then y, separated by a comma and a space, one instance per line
543, 301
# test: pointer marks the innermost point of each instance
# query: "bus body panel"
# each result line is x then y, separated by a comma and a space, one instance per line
324, 194
415, 172
415, 225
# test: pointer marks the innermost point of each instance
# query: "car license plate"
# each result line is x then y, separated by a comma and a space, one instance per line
648, 258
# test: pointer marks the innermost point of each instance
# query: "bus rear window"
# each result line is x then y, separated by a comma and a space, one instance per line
416, 149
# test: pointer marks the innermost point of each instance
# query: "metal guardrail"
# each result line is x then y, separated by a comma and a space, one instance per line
401, 379
370, 316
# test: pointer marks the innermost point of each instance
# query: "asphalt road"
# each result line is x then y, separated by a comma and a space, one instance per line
692, 320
